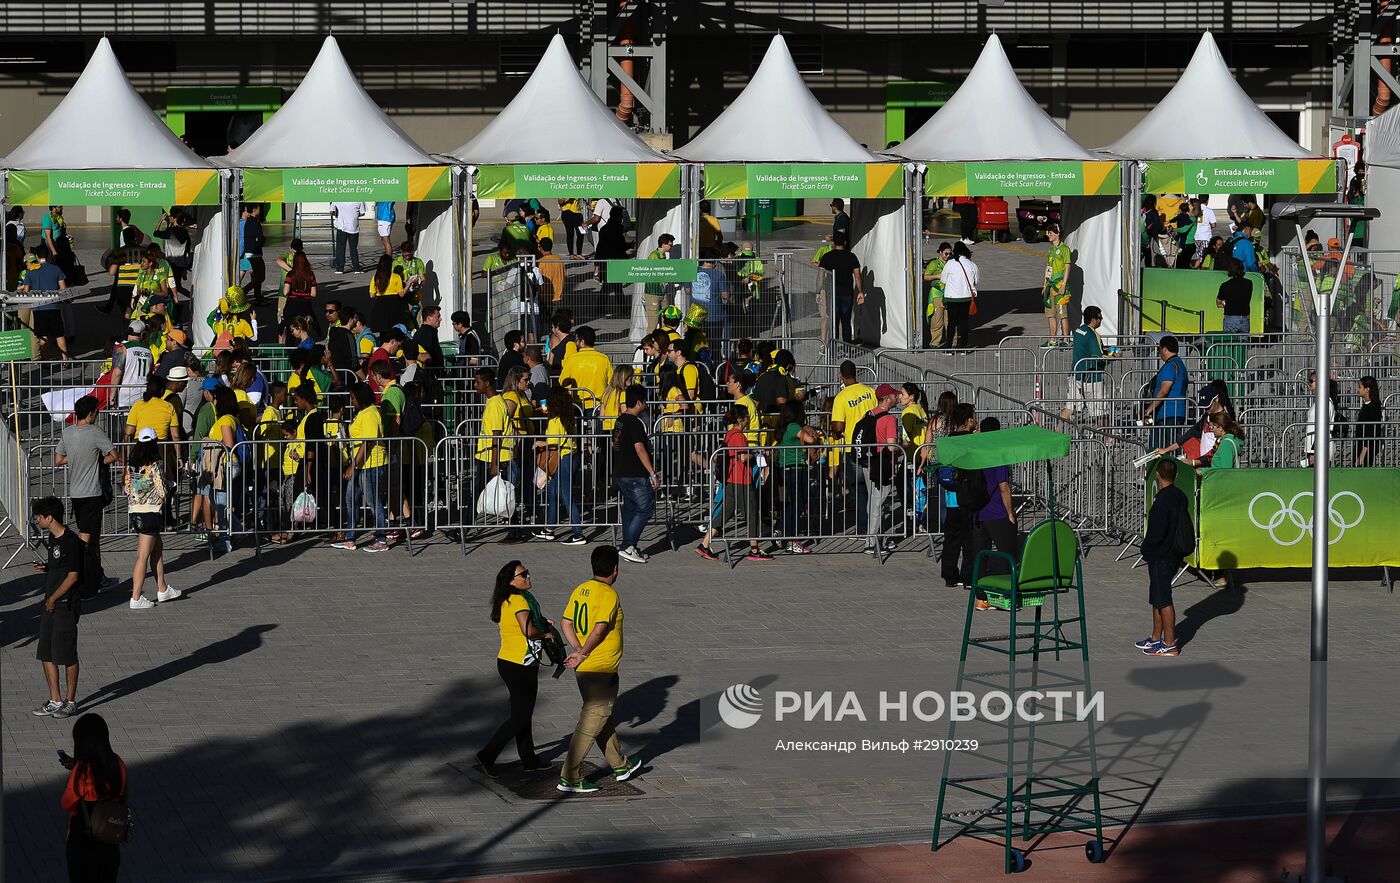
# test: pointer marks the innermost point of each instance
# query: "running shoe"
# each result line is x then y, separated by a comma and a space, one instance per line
377, 546
758, 555
347, 545
1164, 650
706, 552
66, 710
48, 708
624, 773
142, 603
1146, 643
631, 554
799, 548
574, 539
170, 594
544, 534
979, 604
582, 786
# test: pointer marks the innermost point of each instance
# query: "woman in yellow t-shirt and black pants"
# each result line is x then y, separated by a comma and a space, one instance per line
522, 627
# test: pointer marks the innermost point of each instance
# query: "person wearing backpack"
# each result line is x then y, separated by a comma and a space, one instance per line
877, 433
1169, 540
994, 526
959, 489
95, 800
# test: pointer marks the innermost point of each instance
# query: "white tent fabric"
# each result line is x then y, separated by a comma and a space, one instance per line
1206, 115
884, 252
437, 247
207, 277
1383, 184
102, 123
1093, 227
654, 216
775, 119
328, 121
581, 128
990, 117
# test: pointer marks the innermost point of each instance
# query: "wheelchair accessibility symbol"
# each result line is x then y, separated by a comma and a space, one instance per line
1289, 522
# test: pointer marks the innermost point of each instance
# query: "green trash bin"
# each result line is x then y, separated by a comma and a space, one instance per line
759, 214
1225, 358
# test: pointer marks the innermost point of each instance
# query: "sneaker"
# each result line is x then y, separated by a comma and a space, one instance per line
1046, 343
109, 582
170, 593
758, 555
1146, 643
574, 539
487, 768
583, 786
377, 546
201, 536
979, 604
47, 708
891, 545
870, 550
1162, 649
347, 545
631, 554
622, 774
544, 535
66, 710
798, 548
706, 552
142, 603
966, 241
1221, 582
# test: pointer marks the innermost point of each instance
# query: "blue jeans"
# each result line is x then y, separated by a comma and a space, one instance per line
561, 489
365, 486
638, 503
1235, 325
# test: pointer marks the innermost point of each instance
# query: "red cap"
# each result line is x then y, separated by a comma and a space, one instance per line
885, 389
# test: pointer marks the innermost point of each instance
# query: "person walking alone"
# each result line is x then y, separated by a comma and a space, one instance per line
593, 630
146, 489
58, 622
1159, 550
87, 451
522, 628
637, 479
95, 773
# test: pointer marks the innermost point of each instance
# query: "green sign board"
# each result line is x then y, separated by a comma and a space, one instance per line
1263, 517
682, 271
375, 184
125, 187
1286, 176
16, 346
1188, 292
580, 180
1039, 178
805, 181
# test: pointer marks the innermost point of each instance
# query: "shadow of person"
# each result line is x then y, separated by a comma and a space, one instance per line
872, 315
1222, 602
1074, 285
246, 641
430, 294
641, 704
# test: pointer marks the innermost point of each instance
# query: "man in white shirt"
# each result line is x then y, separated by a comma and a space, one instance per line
136, 361
345, 216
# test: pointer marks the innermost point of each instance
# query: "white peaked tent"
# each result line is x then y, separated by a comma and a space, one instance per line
990, 117
775, 119
556, 97
1019, 129
331, 122
1383, 184
1206, 115
129, 136
591, 133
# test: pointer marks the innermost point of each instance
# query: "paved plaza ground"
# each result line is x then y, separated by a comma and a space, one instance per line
317, 715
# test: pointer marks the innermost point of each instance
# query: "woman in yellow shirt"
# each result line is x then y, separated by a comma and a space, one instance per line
555, 454
364, 474
387, 306
218, 468
913, 417
615, 395
522, 627
571, 213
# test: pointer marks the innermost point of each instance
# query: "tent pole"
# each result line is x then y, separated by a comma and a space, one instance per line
5, 240
1132, 254
914, 204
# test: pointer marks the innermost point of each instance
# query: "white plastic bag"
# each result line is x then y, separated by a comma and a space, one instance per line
497, 499
304, 508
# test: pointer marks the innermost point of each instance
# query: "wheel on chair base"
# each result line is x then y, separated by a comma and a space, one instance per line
1093, 850
1018, 861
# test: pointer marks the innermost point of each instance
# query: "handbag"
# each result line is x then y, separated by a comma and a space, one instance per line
109, 821
547, 460
972, 307
304, 509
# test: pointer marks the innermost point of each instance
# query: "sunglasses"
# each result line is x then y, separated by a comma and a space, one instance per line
329, 310
522, 574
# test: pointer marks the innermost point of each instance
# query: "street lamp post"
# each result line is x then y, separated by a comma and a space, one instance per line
1301, 214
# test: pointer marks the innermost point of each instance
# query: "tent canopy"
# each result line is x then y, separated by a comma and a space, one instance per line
1236, 127
102, 123
964, 131
776, 119
556, 95
329, 121
1005, 447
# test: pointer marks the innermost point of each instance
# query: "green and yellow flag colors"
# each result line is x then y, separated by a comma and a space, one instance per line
401, 184
588, 180
1039, 178
126, 187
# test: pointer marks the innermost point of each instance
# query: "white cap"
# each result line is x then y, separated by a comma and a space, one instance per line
146, 434
137, 327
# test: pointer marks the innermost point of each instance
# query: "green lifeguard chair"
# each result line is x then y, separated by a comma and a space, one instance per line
1027, 800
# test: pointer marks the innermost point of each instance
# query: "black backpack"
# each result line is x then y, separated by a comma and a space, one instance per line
344, 354
972, 492
881, 464
1183, 536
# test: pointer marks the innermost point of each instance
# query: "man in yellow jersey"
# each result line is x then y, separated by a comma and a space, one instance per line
687, 372
593, 628
853, 402
494, 448
587, 367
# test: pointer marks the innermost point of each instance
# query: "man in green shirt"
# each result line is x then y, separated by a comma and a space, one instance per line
1054, 293
654, 295
1087, 362
936, 315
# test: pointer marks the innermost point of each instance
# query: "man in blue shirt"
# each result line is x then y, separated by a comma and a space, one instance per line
384, 222
1167, 406
48, 320
1242, 248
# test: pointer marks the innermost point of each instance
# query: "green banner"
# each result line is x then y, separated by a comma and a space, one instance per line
575, 180
16, 346
1194, 291
1286, 176
1263, 517
1038, 178
805, 181
388, 184
125, 187
682, 271
1187, 481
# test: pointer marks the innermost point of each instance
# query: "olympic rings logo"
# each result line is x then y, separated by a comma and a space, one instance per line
1291, 516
